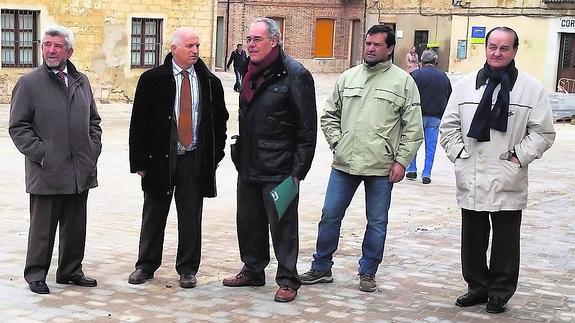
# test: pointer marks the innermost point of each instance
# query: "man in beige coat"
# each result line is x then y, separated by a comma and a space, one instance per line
498, 120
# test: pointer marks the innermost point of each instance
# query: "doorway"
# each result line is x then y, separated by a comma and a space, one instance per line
220, 51
355, 43
420, 40
566, 66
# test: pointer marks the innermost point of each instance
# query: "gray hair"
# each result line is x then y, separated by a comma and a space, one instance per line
57, 30
271, 27
428, 56
176, 39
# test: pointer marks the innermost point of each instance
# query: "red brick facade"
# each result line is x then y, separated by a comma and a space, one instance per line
299, 17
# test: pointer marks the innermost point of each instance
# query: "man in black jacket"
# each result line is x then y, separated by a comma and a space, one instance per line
278, 129
177, 139
240, 60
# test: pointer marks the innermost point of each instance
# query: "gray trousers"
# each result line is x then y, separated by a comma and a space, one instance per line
46, 213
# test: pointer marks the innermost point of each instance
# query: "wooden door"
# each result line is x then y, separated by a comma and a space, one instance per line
567, 57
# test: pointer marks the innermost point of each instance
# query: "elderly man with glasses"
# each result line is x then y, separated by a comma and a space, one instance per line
278, 126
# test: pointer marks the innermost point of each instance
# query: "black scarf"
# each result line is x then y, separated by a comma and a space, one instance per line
485, 117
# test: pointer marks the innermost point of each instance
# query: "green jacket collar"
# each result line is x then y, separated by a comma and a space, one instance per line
379, 67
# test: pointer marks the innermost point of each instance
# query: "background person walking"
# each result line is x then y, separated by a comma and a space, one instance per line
434, 89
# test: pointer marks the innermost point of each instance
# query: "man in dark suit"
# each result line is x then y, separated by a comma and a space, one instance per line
55, 124
177, 139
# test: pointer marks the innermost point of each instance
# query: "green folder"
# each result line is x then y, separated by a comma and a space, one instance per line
283, 195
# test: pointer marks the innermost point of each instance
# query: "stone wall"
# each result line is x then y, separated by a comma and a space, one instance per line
102, 37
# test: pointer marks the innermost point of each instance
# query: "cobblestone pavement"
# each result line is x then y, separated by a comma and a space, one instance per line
418, 280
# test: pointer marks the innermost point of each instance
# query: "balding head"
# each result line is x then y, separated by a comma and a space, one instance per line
184, 46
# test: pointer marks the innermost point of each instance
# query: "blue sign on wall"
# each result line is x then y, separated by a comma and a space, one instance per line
477, 35
477, 32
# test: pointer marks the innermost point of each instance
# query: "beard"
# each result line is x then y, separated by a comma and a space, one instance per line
55, 64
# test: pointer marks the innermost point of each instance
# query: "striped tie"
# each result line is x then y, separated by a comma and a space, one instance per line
62, 77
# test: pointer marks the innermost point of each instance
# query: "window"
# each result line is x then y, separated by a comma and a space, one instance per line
19, 38
324, 29
146, 42
420, 40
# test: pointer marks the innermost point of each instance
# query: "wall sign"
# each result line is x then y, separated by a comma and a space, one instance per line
567, 24
462, 49
478, 35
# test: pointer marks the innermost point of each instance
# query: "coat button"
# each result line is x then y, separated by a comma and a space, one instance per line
167, 156
168, 193
169, 117
150, 156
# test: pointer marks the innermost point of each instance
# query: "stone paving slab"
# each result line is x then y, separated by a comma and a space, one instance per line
418, 280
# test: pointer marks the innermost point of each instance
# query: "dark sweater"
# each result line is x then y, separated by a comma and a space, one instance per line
434, 89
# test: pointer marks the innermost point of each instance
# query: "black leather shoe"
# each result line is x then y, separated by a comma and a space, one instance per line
39, 287
495, 305
83, 281
469, 299
188, 281
139, 276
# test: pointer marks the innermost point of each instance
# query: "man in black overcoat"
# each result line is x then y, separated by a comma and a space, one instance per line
177, 139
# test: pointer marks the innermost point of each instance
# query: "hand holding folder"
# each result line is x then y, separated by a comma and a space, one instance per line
284, 194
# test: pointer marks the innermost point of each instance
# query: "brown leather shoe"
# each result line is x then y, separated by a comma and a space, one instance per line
285, 294
139, 276
242, 279
188, 281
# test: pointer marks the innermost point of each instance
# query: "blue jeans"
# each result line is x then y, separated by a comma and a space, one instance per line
340, 190
430, 133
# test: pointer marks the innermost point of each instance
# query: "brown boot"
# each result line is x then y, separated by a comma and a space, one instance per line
242, 279
285, 294
139, 276
188, 281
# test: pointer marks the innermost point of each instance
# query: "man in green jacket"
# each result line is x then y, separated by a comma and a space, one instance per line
373, 124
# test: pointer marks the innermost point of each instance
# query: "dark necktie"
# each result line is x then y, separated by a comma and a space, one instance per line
185, 119
62, 77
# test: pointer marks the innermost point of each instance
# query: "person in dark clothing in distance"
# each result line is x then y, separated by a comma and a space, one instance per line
434, 90
240, 60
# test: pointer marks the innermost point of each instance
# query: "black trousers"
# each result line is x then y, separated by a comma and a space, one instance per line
256, 215
46, 213
500, 277
189, 203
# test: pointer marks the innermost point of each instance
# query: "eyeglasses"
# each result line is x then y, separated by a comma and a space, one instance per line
256, 39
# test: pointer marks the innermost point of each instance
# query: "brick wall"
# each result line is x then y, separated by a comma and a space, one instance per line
299, 22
